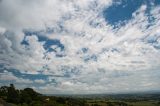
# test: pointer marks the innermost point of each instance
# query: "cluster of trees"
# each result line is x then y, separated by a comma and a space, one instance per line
13, 95
29, 97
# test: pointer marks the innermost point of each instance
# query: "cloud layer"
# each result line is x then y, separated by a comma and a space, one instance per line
79, 51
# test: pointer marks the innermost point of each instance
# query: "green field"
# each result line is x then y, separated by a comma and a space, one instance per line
122, 103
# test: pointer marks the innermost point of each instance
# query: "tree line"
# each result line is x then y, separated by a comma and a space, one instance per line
13, 95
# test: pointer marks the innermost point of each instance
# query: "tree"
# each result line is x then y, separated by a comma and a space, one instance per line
13, 95
61, 100
3, 91
25, 97
33, 94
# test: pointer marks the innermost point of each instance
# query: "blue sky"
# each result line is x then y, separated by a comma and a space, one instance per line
80, 46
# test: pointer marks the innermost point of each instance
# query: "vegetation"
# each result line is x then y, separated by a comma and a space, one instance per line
10, 96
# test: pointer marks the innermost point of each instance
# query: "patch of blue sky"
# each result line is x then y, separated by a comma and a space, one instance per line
151, 39
1, 67
70, 71
29, 77
41, 38
18, 74
156, 2
157, 46
121, 11
24, 42
84, 50
49, 43
115, 50
90, 58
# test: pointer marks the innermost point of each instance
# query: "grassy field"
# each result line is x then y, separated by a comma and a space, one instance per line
121, 103
90, 102
143, 99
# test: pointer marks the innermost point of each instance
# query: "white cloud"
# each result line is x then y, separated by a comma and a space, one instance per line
40, 81
24, 81
30, 14
7, 77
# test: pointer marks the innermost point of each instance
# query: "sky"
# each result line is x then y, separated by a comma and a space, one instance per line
80, 46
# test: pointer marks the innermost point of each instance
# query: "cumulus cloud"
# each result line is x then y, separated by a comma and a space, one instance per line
39, 81
7, 77
30, 14
96, 55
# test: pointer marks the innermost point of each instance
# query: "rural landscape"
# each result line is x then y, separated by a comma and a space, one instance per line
79, 52
10, 96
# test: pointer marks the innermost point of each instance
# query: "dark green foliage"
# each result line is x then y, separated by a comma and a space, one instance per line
36, 103
25, 97
116, 104
95, 105
61, 100
13, 95
31, 93
75, 102
3, 92
158, 103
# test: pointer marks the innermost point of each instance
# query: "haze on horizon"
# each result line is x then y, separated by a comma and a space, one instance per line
80, 46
